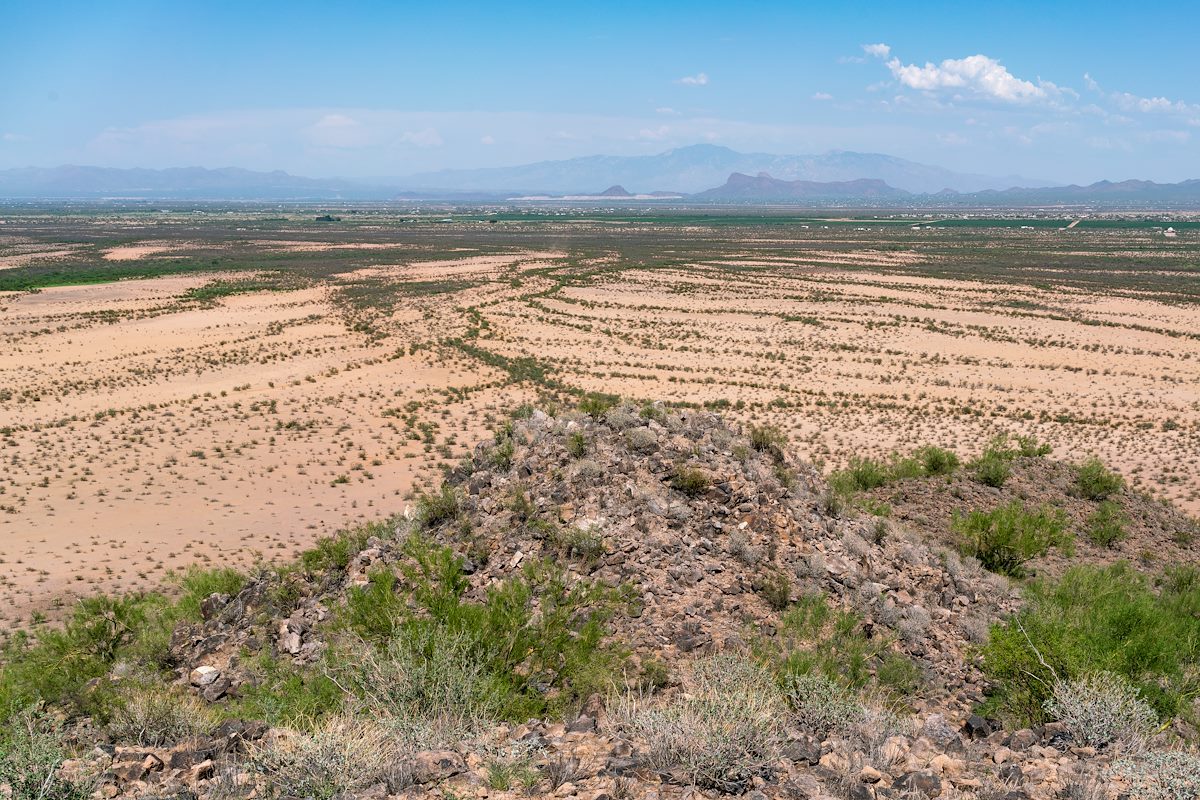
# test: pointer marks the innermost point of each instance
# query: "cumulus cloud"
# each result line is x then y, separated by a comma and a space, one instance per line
699, 79
879, 50
822, 96
1152, 105
978, 76
487, 139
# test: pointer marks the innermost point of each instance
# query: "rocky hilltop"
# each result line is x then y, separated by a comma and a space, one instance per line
632, 602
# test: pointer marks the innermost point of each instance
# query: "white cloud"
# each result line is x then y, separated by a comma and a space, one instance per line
9, 136
487, 139
978, 75
952, 138
822, 96
1152, 105
666, 111
699, 79
879, 50
426, 137
654, 134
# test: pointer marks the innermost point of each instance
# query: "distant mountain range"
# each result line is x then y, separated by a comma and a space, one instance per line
697, 174
702, 166
763, 187
229, 183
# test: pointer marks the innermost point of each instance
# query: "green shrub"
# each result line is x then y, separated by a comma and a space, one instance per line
577, 445
563, 646
1099, 619
692, 482
936, 461
594, 404
776, 589
1106, 525
994, 466
442, 506
814, 639
137, 628
335, 552
501, 455
768, 439
1095, 481
283, 694
1005, 538
31, 752
863, 474
991, 470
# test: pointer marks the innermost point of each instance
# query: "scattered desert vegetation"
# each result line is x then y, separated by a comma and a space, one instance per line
384, 507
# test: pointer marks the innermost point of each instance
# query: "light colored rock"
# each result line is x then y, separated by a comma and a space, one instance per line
204, 675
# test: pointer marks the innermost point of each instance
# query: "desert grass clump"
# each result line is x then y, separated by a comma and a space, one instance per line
31, 753
342, 755
720, 733
151, 715
428, 687
1106, 525
821, 706
1095, 481
1102, 709
1007, 537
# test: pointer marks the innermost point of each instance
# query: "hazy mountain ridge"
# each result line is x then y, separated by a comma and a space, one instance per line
700, 167
872, 178
742, 187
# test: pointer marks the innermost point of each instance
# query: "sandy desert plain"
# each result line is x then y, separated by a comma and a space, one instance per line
225, 384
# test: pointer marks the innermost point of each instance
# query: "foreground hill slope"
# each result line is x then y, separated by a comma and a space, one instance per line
632, 602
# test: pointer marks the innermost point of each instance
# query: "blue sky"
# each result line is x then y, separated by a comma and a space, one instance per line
1062, 91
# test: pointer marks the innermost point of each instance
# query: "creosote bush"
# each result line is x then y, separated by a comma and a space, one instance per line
522, 651
768, 439
692, 482
1106, 525
1095, 481
1005, 538
1099, 619
994, 465
815, 639
1102, 709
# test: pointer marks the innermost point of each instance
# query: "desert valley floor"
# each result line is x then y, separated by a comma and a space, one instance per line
226, 384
